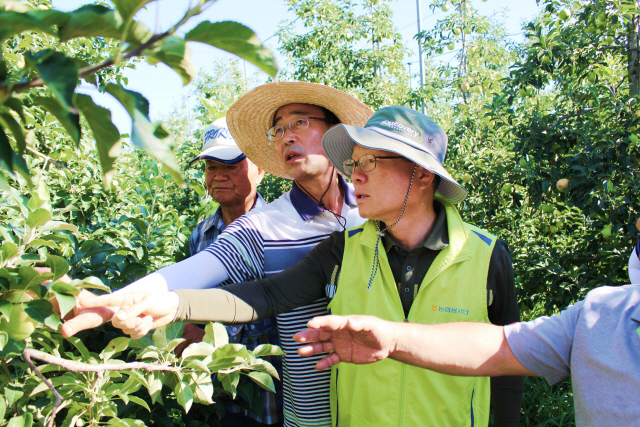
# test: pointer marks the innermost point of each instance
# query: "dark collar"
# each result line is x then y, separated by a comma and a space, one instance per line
436, 240
307, 208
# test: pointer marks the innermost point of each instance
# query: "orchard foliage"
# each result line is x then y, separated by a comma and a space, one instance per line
80, 199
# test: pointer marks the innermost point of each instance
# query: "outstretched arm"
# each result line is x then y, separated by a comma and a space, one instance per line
201, 271
464, 349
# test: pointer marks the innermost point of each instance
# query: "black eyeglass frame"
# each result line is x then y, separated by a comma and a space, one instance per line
349, 165
275, 128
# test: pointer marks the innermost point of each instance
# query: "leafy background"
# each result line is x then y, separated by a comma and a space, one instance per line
110, 208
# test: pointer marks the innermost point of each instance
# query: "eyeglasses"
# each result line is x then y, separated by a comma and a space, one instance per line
367, 163
296, 125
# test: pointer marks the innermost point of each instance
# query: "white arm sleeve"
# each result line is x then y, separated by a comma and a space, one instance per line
634, 267
201, 271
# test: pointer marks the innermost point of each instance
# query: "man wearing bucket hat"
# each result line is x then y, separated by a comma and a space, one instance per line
415, 260
279, 126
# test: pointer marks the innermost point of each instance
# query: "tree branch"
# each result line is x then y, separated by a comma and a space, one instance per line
73, 366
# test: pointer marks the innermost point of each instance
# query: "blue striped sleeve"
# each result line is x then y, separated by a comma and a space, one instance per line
240, 248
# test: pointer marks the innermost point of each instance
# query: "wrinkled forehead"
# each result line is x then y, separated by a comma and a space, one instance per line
294, 110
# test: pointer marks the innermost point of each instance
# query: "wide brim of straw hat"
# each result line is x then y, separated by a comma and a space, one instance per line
250, 117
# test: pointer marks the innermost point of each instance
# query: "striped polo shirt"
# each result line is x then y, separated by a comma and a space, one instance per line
266, 241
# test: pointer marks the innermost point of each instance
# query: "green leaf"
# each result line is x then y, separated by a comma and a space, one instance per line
184, 395
18, 133
203, 391
50, 17
5, 308
8, 250
100, 21
176, 54
40, 242
165, 334
154, 382
128, 8
39, 309
12, 393
66, 303
200, 349
267, 350
216, 335
12, 23
230, 382
140, 402
6, 153
145, 134
59, 267
12, 348
264, 380
90, 283
69, 120
38, 218
116, 345
58, 226
58, 72
3, 406
64, 288
236, 39
104, 131
198, 365
30, 278
77, 343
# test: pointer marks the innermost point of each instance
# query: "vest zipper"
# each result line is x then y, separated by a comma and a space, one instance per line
404, 372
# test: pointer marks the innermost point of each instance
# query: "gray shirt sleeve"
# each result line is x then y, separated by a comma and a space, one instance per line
544, 345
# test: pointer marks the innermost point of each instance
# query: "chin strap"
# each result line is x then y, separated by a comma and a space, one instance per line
380, 233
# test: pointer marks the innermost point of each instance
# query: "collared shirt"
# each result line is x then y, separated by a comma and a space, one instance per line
208, 230
597, 343
267, 241
250, 335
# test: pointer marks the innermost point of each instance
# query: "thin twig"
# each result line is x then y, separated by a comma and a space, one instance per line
44, 156
73, 366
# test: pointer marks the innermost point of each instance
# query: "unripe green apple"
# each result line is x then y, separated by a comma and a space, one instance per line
464, 86
606, 232
467, 30
523, 92
565, 14
507, 188
457, 31
562, 184
601, 17
546, 59
445, 7
546, 208
20, 325
529, 90
466, 178
609, 40
553, 229
451, 46
439, 51
591, 76
633, 138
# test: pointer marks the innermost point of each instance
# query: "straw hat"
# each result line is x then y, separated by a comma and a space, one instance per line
251, 116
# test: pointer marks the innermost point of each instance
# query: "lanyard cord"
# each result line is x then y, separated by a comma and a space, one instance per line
321, 203
380, 233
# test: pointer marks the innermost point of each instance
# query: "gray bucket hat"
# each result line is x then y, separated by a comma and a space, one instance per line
400, 130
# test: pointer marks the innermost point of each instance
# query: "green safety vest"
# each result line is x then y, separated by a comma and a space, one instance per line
390, 393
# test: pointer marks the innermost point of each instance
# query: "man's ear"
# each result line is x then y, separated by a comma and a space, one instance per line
260, 176
423, 178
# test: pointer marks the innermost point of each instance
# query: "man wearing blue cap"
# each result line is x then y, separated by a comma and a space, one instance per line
414, 260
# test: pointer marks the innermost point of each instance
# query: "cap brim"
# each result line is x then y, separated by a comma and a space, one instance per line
250, 117
228, 155
338, 143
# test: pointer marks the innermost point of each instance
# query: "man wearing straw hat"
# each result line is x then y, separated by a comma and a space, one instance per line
415, 260
279, 126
